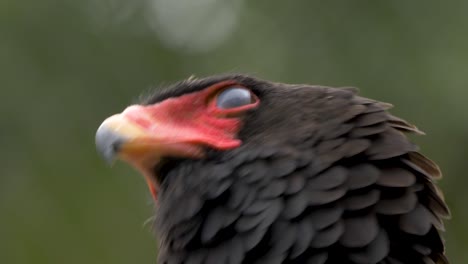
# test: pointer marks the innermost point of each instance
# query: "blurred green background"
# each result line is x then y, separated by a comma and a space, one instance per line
66, 65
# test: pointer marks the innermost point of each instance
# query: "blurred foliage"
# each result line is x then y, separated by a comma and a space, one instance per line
66, 65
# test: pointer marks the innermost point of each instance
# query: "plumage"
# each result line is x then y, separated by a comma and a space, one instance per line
359, 231
302, 174
361, 200
328, 236
396, 177
402, 204
323, 217
328, 179
305, 234
374, 252
361, 176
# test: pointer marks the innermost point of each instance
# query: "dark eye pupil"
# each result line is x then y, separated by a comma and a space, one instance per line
233, 97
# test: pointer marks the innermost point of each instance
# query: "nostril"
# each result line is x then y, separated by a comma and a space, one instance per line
108, 143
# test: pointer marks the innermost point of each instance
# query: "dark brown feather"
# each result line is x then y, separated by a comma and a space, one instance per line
396, 177
360, 231
376, 251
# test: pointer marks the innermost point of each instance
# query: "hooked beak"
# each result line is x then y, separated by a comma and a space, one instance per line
133, 140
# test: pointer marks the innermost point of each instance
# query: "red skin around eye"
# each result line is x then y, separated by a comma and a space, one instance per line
193, 118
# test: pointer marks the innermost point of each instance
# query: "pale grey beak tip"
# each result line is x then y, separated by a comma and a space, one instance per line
108, 143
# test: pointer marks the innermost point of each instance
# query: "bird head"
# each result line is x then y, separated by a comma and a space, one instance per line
198, 117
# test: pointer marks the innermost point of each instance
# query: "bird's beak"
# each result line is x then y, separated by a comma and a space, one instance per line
142, 139
115, 132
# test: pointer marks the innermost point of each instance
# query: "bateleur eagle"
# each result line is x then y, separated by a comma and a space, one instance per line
245, 170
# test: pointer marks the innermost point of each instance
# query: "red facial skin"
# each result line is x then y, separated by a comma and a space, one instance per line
180, 127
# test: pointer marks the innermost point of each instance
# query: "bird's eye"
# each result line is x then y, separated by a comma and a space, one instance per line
233, 97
